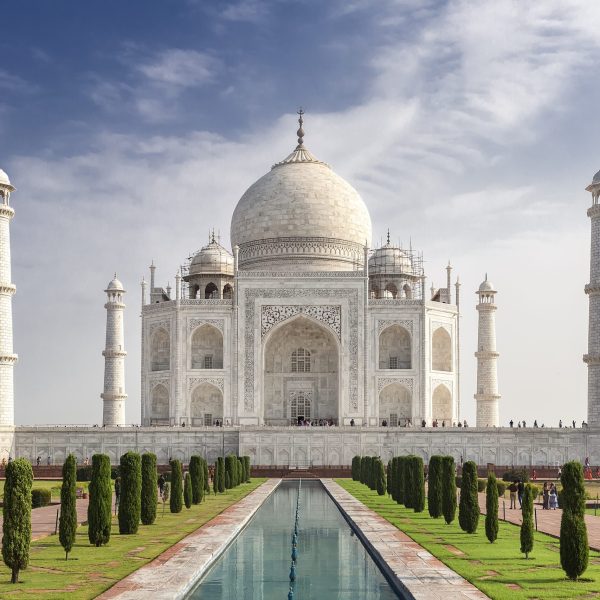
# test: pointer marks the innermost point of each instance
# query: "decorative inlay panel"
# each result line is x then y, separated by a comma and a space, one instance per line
157, 325
159, 381
382, 324
216, 381
272, 315
407, 382
218, 323
251, 295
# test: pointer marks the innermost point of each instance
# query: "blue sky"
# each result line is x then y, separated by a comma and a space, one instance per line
131, 128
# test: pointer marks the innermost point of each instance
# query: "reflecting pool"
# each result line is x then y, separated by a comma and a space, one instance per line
332, 563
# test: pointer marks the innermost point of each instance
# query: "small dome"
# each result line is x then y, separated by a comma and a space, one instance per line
115, 285
487, 286
212, 259
390, 260
4, 180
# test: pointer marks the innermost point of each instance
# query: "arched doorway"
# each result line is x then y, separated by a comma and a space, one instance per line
441, 405
207, 348
395, 405
301, 373
206, 406
159, 408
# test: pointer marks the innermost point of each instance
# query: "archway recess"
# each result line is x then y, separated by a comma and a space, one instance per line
395, 405
301, 368
206, 406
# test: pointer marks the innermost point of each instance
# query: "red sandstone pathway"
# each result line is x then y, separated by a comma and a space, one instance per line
548, 521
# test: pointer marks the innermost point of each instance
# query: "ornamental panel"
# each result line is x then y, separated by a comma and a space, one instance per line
216, 381
384, 323
272, 315
407, 382
218, 323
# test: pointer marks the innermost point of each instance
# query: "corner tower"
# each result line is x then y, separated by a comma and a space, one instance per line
487, 396
114, 395
592, 289
7, 289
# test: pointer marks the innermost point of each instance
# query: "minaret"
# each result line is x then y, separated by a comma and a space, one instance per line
592, 289
114, 395
7, 289
487, 358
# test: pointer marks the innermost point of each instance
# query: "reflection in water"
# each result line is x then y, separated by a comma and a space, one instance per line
332, 563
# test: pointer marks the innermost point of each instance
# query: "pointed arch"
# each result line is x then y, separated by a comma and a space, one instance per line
207, 348
441, 404
206, 405
395, 348
211, 291
159, 405
395, 405
441, 350
160, 350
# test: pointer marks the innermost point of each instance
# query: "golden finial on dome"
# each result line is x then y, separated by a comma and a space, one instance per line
300, 132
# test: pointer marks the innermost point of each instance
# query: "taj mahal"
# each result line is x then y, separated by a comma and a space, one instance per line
302, 346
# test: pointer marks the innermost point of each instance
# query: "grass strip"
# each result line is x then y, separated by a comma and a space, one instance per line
499, 569
90, 570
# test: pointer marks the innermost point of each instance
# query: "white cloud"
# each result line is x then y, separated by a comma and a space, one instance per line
249, 11
182, 68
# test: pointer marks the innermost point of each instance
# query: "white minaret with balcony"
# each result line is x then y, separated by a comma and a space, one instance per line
487, 396
114, 395
592, 289
7, 290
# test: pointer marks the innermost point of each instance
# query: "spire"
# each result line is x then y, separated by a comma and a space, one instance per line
388, 237
300, 132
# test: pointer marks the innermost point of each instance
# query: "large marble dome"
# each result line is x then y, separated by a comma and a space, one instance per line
301, 216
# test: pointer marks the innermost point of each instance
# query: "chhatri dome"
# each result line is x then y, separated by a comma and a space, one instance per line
301, 216
212, 258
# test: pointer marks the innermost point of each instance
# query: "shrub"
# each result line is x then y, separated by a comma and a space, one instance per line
40, 497
219, 475
389, 475
196, 474
574, 549
100, 505
241, 470
149, 488
400, 479
448, 489
16, 536
481, 484
229, 474
130, 501
434, 487
67, 525
408, 487
380, 476
187, 490
491, 508
458, 481
206, 476
248, 468
516, 474
176, 503
356, 468
84, 473
418, 480
468, 511
165, 495
501, 485
363, 469
527, 524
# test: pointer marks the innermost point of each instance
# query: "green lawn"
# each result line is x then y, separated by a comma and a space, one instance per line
92, 570
499, 569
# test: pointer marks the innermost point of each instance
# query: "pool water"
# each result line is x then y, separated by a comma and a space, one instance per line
332, 563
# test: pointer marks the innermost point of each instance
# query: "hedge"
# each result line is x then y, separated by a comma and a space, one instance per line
40, 497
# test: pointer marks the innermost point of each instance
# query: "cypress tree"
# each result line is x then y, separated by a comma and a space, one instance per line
196, 479
206, 476
100, 505
527, 524
468, 510
408, 487
574, 549
67, 526
176, 503
491, 508
363, 469
216, 477
187, 490
434, 487
16, 535
248, 468
380, 477
229, 472
220, 475
130, 503
241, 474
448, 489
149, 488
373, 471
400, 479
418, 475
389, 477
356, 468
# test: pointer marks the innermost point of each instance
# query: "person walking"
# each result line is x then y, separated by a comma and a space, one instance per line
520, 490
546, 496
512, 488
161, 484
553, 497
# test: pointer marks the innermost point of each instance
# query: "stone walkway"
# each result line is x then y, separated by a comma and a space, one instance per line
417, 572
548, 521
172, 574
43, 519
